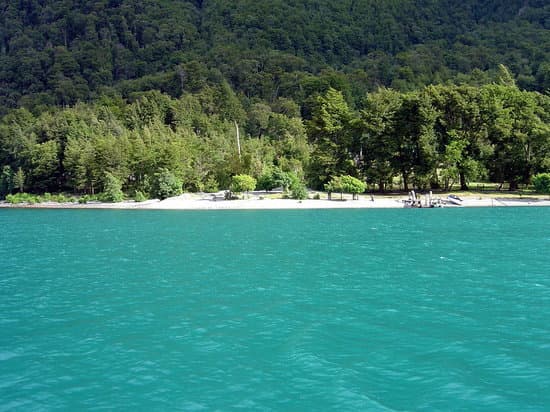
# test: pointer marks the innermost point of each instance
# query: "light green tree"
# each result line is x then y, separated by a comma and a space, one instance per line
353, 185
242, 183
345, 184
112, 188
44, 169
19, 180
79, 165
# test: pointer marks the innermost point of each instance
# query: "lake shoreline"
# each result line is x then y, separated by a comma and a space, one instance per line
189, 201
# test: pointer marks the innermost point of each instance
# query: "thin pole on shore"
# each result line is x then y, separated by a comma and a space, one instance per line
238, 140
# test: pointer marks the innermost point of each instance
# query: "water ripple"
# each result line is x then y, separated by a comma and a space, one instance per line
275, 310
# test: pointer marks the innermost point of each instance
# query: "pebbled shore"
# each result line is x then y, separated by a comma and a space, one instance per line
192, 201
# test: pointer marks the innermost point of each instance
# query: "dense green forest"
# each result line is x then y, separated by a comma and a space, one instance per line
430, 138
429, 92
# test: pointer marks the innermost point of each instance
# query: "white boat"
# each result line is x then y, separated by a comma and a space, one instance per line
454, 200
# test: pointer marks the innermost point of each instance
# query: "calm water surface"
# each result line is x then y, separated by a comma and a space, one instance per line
342, 310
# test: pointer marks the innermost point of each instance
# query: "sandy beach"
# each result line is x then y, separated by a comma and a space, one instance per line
194, 201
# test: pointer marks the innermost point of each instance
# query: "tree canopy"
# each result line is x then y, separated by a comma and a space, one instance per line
436, 137
63, 52
346, 184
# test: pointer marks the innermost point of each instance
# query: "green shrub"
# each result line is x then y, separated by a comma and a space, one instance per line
265, 181
88, 198
211, 185
274, 177
56, 198
32, 199
22, 198
242, 183
61, 198
140, 196
541, 183
298, 191
166, 184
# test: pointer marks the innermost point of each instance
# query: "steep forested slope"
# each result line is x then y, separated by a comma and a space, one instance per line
61, 52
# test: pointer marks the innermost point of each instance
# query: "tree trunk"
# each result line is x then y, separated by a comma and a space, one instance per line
463, 184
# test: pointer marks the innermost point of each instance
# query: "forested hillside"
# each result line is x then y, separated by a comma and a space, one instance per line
135, 94
64, 51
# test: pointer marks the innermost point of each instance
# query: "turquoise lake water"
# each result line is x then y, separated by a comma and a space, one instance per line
308, 310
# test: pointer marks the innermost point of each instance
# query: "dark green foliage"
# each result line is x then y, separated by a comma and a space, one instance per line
266, 182
376, 126
274, 177
60, 53
6, 181
330, 129
519, 130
